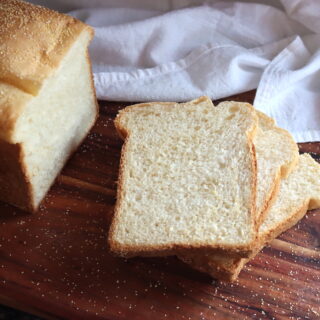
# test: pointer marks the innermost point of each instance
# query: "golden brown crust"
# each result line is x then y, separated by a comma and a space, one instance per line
216, 270
173, 249
129, 251
33, 42
15, 187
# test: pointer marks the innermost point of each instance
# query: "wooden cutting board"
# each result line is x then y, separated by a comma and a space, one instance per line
56, 263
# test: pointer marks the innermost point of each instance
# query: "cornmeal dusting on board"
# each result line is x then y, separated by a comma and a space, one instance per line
63, 258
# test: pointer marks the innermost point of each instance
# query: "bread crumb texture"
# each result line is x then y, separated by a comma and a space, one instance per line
299, 192
180, 182
47, 98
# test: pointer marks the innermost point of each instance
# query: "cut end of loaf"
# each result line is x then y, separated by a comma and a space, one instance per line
47, 139
50, 127
47, 98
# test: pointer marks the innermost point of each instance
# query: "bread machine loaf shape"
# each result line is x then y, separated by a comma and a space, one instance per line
47, 98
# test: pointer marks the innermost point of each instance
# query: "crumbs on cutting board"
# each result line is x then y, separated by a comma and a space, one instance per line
63, 258
72, 264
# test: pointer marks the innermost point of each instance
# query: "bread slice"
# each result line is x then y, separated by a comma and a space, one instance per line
298, 193
47, 98
186, 171
277, 155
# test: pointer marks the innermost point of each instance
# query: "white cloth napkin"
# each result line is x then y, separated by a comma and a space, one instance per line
172, 51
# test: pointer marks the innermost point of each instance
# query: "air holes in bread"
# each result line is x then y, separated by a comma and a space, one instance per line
234, 109
230, 116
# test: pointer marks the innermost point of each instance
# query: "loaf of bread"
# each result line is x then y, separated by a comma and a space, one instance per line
298, 193
187, 179
47, 98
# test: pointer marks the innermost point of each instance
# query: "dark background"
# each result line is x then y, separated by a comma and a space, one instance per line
11, 314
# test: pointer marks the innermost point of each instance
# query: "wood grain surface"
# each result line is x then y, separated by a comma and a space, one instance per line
56, 263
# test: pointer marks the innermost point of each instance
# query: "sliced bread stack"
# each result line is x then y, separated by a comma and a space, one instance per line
210, 184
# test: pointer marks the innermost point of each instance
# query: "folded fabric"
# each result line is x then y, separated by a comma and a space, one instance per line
170, 51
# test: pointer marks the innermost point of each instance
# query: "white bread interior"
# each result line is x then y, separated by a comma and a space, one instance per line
299, 192
187, 178
277, 155
47, 98
55, 121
